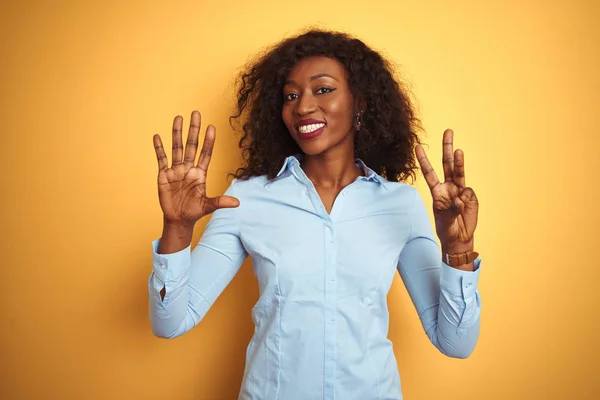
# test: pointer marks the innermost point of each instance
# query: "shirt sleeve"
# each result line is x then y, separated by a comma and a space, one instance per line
446, 299
194, 279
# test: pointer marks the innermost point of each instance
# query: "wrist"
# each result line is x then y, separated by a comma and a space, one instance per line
180, 230
175, 237
178, 225
458, 248
459, 255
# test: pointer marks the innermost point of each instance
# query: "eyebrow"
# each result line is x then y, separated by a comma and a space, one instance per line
312, 78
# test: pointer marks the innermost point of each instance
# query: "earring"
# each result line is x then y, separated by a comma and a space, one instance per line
357, 123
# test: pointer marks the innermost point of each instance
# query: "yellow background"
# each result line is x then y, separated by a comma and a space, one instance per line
84, 86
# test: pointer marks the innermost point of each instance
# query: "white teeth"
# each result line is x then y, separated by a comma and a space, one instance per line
310, 128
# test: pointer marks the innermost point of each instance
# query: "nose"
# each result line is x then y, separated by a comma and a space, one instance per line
306, 104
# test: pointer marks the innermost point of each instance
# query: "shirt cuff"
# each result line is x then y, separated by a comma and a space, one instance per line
170, 266
460, 283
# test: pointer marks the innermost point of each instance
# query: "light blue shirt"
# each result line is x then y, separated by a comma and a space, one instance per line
322, 317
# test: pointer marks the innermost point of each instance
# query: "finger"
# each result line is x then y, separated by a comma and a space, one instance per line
215, 203
207, 148
459, 168
191, 145
457, 207
160, 153
428, 172
448, 154
469, 197
471, 208
177, 142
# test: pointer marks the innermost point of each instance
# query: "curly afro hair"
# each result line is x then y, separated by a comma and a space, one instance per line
389, 125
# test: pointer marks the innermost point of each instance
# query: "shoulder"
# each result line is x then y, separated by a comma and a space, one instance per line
400, 198
401, 191
244, 186
253, 189
400, 188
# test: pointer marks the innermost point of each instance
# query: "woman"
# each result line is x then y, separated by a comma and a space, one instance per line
321, 207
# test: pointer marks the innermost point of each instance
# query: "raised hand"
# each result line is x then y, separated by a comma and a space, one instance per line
182, 187
455, 205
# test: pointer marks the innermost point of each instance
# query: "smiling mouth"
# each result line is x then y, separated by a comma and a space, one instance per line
310, 131
310, 128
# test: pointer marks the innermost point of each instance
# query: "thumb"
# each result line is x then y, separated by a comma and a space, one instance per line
469, 198
465, 202
458, 206
214, 203
471, 209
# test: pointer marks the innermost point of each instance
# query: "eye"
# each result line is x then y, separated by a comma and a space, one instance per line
290, 96
324, 90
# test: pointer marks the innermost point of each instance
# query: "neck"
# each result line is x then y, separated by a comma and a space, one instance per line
333, 169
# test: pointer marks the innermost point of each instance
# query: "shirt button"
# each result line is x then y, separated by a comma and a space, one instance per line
468, 285
162, 266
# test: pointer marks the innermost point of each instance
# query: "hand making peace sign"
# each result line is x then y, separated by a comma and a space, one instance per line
455, 205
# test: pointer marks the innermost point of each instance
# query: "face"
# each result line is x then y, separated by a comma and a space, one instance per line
318, 108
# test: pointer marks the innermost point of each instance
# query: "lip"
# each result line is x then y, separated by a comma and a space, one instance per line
311, 135
308, 121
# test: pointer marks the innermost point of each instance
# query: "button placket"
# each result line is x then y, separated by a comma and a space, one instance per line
330, 306
329, 233
330, 281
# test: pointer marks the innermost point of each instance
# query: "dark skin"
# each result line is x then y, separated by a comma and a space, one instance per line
455, 206
316, 89
182, 186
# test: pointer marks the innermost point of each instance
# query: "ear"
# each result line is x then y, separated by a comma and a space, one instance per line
360, 105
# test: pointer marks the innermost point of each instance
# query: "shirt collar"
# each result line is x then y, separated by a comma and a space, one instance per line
368, 173
287, 164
